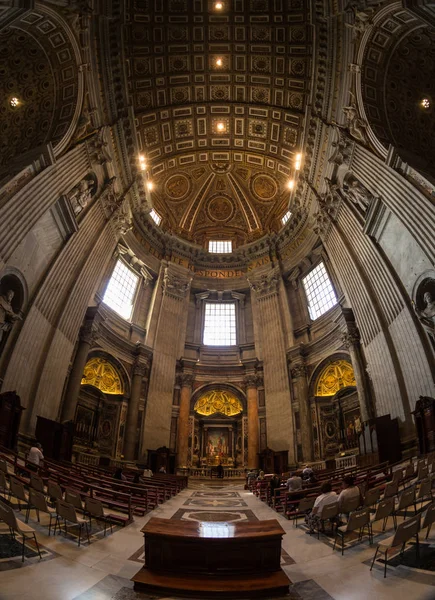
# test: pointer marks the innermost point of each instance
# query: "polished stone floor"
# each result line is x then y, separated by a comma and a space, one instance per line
102, 570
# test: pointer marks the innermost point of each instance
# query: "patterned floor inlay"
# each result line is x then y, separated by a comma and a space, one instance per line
216, 495
117, 588
11, 551
214, 516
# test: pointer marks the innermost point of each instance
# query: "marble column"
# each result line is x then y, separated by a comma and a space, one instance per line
299, 375
88, 334
351, 341
183, 419
253, 428
140, 370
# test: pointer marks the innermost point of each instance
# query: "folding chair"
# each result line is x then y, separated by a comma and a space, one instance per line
424, 491
16, 488
3, 466
357, 520
429, 518
67, 512
38, 502
397, 476
383, 510
409, 472
37, 483
7, 515
406, 530
54, 490
349, 505
74, 498
94, 508
4, 485
305, 505
329, 513
391, 489
372, 496
406, 499
422, 472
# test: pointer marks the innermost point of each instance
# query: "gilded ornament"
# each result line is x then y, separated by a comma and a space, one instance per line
335, 376
101, 374
217, 401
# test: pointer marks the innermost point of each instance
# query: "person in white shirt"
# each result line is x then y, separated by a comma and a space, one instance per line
294, 483
350, 490
326, 497
35, 456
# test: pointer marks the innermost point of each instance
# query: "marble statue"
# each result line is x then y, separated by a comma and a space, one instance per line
357, 194
355, 125
80, 195
428, 313
7, 314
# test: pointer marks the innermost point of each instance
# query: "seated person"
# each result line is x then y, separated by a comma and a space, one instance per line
349, 490
294, 483
275, 482
326, 497
307, 472
118, 474
311, 480
260, 476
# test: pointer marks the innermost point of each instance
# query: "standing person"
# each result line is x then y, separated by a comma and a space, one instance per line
220, 471
35, 457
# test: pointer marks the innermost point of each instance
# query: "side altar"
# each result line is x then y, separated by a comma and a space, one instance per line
236, 560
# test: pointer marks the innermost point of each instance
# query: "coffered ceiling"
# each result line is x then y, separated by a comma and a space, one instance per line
219, 98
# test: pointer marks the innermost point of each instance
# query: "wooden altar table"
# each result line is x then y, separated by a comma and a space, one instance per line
240, 560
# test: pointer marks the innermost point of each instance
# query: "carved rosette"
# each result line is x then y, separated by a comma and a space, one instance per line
266, 285
174, 286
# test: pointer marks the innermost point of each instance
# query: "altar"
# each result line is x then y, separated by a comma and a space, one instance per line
212, 559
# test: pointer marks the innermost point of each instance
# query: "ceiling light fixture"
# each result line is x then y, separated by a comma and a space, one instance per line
150, 185
218, 5
220, 127
290, 184
142, 162
14, 102
219, 62
298, 160
425, 103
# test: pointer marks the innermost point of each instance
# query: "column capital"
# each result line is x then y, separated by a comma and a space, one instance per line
89, 333
187, 379
351, 337
298, 371
174, 285
252, 380
267, 284
140, 367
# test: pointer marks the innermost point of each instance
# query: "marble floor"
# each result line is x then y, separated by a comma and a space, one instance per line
102, 570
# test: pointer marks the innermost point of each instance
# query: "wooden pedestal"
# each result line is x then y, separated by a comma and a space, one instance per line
240, 560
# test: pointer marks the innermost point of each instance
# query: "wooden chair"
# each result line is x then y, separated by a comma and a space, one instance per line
409, 472
17, 489
406, 531
67, 512
397, 476
383, 510
422, 472
406, 499
94, 508
429, 518
3, 466
38, 502
358, 520
372, 497
7, 515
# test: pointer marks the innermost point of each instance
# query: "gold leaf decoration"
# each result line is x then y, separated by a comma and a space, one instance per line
218, 401
335, 376
100, 373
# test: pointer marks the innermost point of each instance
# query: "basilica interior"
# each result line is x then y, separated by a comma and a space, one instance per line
217, 254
